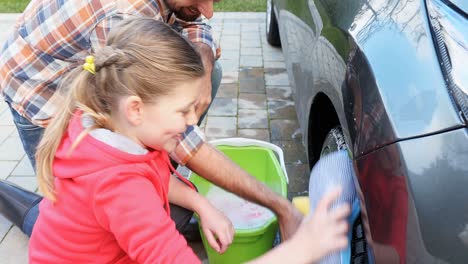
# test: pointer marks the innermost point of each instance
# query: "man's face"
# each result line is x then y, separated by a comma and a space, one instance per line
189, 10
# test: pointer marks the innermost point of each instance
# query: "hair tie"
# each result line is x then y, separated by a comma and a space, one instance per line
89, 64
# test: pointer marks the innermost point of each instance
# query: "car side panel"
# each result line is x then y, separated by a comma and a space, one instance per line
413, 197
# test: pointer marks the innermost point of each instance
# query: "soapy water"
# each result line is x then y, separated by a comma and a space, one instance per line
242, 213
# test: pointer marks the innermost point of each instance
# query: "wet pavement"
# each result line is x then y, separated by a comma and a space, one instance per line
254, 101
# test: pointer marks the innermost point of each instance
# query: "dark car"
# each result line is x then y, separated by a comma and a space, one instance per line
387, 80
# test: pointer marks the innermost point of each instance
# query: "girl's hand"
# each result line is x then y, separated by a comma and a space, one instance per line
217, 228
325, 231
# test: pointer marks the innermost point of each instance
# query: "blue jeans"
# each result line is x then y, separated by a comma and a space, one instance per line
31, 134
216, 76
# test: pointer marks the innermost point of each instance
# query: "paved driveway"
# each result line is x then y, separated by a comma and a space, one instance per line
254, 101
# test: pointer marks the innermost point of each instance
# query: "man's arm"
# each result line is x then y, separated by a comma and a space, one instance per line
220, 170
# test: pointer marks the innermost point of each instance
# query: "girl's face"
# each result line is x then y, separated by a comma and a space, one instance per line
162, 123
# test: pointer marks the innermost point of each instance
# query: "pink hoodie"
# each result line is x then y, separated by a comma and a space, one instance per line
112, 207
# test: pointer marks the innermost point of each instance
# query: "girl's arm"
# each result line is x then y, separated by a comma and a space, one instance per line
319, 235
216, 226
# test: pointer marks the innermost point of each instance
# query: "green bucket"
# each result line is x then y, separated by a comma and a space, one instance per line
257, 158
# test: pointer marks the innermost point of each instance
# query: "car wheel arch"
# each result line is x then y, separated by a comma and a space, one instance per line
321, 119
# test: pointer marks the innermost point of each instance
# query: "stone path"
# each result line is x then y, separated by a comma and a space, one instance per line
254, 101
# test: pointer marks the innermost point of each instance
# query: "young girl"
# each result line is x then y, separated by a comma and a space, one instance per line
103, 164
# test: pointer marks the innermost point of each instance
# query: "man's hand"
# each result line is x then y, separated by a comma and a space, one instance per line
208, 61
289, 222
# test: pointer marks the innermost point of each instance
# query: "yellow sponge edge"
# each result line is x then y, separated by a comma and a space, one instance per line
302, 204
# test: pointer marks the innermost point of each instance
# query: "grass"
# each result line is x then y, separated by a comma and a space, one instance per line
13, 6
240, 6
17, 6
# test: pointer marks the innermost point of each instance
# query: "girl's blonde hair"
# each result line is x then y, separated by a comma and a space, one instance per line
142, 57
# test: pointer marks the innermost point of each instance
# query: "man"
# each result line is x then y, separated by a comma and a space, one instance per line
51, 37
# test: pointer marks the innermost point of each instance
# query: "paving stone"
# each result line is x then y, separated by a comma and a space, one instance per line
6, 119
231, 29
6, 167
14, 247
292, 194
223, 107
251, 80
229, 65
273, 55
274, 64
11, 149
3, 105
249, 27
216, 23
225, 45
27, 182
243, 15
231, 39
220, 127
230, 77
278, 92
217, 37
230, 55
229, 90
298, 177
251, 61
230, 32
260, 134
252, 86
5, 226
285, 130
281, 109
248, 43
267, 48
217, 20
14, 134
251, 51
252, 101
250, 35
250, 73
231, 25
6, 131
280, 79
249, 118
24, 168
294, 152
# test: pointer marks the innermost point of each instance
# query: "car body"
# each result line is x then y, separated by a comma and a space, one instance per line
387, 79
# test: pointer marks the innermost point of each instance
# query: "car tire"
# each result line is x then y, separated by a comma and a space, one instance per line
272, 31
334, 141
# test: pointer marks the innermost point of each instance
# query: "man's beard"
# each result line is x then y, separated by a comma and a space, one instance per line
184, 13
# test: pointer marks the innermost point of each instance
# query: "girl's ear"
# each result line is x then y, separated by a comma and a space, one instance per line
133, 110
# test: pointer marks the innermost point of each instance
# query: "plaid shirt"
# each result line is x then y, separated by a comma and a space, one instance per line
52, 37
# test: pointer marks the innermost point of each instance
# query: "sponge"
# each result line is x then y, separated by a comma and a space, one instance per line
302, 203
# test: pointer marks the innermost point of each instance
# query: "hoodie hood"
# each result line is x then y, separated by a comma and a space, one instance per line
98, 150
